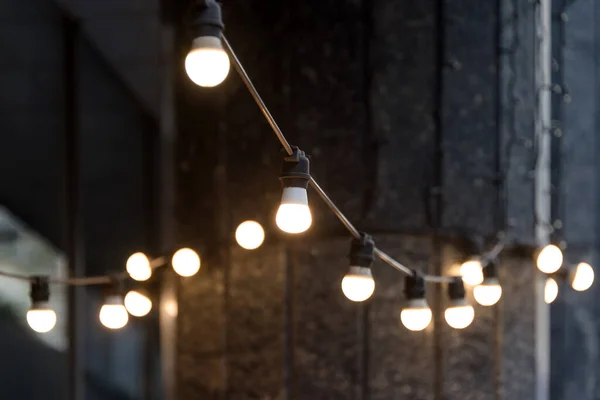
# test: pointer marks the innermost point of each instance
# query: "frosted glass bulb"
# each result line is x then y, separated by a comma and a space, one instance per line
293, 215
487, 294
472, 272
459, 317
550, 290
250, 235
550, 259
41, 320
186, 262
584, 277
138, 267
113, 314
207, 64
358, 284
416, 316
137, 304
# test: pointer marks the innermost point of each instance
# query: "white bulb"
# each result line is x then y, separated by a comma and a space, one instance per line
358, 284
487, 294
41, 320
207, 64
416, 316
472, 272
584, 277
137, 304
250, 235
113, 314
138, 267
186, 262
550, 259
459, 317
550, 290
293, 215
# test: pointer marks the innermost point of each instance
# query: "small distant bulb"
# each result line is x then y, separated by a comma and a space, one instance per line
113, 314
207, 64
358, 284
138, 267
472, 272
186, 262
459, 316
416, 316
41, 319
487, 294
550, 290
550, 259
293, 215
137, 304
250, 235
583, 278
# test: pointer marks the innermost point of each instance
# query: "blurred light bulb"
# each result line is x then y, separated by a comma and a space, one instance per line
358, 284
137, 304
293, 215
471, 272
583, 278
41, 319
113, 314
250, 235
487, 294
416, 316
550, 290
186, 262
550, 259
207, 64
459, 316
138, 267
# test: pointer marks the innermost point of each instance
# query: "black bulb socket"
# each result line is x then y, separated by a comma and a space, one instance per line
208, 20
414, 287
362, 251
295, 169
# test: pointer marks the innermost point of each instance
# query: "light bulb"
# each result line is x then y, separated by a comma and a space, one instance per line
186, 262
293, 215
138, 267
471, 272
550, 290
113, 314
358, 284
487, 294
207, 64
250, 235
416, 316
459, 316
583, 278
41, 319
550, 259
137, 304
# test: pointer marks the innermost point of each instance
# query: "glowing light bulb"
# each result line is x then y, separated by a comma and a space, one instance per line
137, 304
459, 316
293, 215
113, 314
41, 319
207, 64
487, 294
550, 259
583, 278
138, 267
416, 316
358, 284
550, 290
186, 262
472, 272
250, 235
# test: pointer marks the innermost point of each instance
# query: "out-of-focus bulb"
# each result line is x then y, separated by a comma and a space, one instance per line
186, 262
113, 314
550, 259
207, 64
459, 316
583, 278
358, 284
471, 272
487, 294
41, 319
137, 304
416, 316
293, 215
138, 267
550, 290
250, 235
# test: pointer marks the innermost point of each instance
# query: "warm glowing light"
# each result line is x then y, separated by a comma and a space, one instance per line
471, 272
416, 316
138, 267
459, 317
549, 259
250, 235
137, 304
550, 290
207, 64
358, 284
487, 294
41, 320
113, 314
584, 277
186, 262
293, 215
